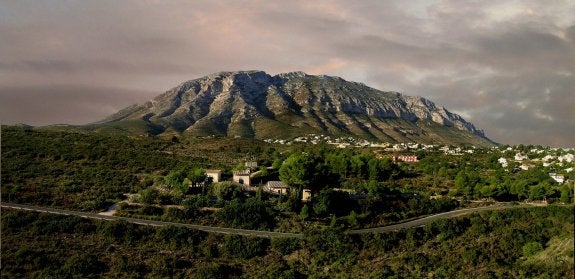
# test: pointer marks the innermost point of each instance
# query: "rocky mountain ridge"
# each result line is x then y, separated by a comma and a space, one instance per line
256, 104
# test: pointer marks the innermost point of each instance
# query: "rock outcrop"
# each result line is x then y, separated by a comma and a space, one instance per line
256, 104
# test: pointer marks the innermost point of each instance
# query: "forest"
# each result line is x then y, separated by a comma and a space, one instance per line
164, 178
521, 243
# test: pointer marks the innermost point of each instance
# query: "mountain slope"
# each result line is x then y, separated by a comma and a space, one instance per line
255, 104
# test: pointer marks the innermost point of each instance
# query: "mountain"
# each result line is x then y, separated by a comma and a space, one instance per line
256, 104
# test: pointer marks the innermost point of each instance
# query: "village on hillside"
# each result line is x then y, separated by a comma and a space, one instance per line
559, 161
252, 177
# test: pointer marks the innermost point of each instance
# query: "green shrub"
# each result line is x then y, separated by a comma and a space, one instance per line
213, 271
532, 248
245, 247
251, 214
285, 245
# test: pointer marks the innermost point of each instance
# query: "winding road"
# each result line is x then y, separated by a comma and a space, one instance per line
426, 220
266, 234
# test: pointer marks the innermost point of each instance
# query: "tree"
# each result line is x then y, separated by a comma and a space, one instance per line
358, 166
520, 188
148, 196
277, 163
304, 213
304, 171
338, 163
297, 170
373, 169
323, 203
567, 193
352, 219
175, 177
228, 191
386, 168
536, 192
197, 176
463, 183
333, 221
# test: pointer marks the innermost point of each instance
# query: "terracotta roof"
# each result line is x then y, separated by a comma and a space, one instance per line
242, 172
276, 184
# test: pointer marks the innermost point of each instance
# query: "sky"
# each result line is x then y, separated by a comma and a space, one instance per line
506, 66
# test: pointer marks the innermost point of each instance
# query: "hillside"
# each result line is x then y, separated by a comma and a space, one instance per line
257, 105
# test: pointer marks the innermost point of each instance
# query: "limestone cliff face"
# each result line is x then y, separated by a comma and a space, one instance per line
255, 104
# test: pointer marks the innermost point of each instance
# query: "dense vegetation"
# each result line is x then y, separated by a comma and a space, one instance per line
351, 188
517, 243
91, 171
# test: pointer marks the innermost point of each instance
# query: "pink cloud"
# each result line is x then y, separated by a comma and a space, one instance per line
333, 65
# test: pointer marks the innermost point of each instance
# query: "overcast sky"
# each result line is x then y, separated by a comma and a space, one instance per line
506, 66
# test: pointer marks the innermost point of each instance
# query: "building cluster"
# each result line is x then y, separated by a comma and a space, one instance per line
244, 178
405, 158
558, 161
343, 142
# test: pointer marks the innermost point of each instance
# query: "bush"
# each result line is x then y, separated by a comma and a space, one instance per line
304, 213
352, 219
214, 271
532, 248
332, 202
228, 191
175, 214
179, 236
86, 266
196, 201
252, 214
285, 246
245, 247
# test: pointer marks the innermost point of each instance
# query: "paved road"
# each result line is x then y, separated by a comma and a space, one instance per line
424, 221
266, 234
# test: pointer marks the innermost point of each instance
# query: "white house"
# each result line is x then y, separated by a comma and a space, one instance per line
306, 195
251, 165
276, 187
216, 175
520, 157
405, 158
547, 158
559, 178
242, 177
567, 158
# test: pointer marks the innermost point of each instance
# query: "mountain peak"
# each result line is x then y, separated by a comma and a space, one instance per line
291, 75
256, 104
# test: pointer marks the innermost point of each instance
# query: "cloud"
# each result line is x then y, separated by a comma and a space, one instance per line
68, 67
64, 104
332, 65
479, 58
